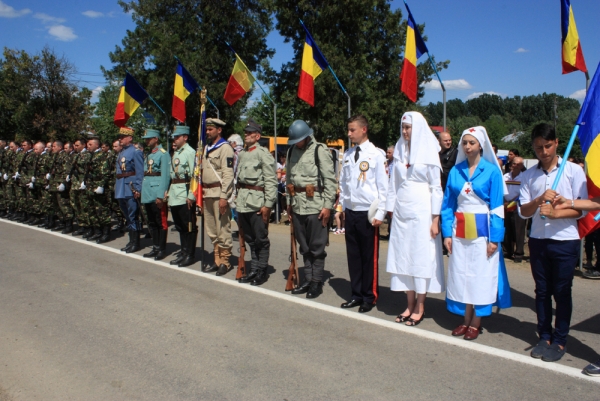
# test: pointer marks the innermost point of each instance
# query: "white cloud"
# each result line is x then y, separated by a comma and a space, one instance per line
579, 95
521, 50
477, 94
96, 93
7, 11
93, 14
48, 19
451, 84
62, 33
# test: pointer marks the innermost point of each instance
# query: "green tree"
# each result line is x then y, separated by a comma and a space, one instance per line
196, 32
363, 42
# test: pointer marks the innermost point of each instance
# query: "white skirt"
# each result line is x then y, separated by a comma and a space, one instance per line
420, 285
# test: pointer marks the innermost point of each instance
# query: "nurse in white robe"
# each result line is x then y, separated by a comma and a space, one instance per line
473, 227
415, 258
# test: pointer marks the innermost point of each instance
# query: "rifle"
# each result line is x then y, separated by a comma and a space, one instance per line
293, 279
139, 203
241, 270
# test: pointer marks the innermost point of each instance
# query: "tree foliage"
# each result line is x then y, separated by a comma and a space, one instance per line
196, 32
363, 42
37, 98
503, 116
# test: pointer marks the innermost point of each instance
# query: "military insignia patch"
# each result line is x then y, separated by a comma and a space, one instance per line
230, 162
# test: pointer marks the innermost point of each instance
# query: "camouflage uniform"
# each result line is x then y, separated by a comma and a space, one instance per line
110, 196
44, 166
61, 199
79, 198
3, 203
98, 175
20, 193
31, 201
9, 183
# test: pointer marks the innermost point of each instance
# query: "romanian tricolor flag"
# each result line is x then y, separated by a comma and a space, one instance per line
472, 225
131, 96
415, 47
196, 182
589, 137
313, 63
184, 85
572, 55
240, 82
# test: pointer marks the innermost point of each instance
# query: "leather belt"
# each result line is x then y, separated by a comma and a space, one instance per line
211, 185
152, 174
251, 187
123, 175
303, 189
179, 181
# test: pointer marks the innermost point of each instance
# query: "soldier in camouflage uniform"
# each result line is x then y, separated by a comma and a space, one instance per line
96, 181
59, 187
32, 188
9, 183
3, 202
79, 198
20, 193
45, 166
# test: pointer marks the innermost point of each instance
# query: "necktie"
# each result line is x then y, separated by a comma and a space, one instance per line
356, 156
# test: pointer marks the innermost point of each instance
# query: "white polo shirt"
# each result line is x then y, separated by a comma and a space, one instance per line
572, 185
364, 180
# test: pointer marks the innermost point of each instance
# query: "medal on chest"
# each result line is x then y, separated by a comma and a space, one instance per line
123, 165
176, 164
150, 164
364, 167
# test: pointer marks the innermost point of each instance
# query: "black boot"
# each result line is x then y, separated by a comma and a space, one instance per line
302, 289
45, 222
80, 231
30, 218
59, 226
162, 245
2, 213
126, 248
135, 246
37, 220
14, 216
105, 237
315, 289
184, 251
22, 217
260, 278
190, 258
120, 226
249, 278
97, 234
68, 227
88, 233
155, 248
51, 222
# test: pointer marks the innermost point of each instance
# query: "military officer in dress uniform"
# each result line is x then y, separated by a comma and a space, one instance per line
257, 192
310, 192
157, 176
181, 198
217, 186
130, 172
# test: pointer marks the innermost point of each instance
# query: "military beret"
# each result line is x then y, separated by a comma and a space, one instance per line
215, 121
126, 131
253, 126
151, 133
181, 130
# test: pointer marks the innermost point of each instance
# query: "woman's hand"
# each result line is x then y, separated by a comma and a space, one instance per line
491, 248
435, 227
560, 202
448, 244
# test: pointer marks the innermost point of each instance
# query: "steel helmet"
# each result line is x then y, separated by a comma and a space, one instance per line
298, 131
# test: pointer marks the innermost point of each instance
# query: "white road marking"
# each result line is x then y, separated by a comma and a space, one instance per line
415, 331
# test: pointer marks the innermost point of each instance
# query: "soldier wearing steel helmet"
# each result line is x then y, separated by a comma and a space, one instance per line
310, 192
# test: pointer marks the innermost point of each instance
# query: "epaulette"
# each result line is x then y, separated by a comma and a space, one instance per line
163, 150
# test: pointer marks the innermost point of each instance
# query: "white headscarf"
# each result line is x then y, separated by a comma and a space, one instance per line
488, 152
424, 146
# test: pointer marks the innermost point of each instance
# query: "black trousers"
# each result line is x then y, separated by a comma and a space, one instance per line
256, 235
362, 249
312, 238
157, 217
182, 216
514, 234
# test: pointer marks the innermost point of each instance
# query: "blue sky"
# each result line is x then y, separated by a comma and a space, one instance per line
509, 47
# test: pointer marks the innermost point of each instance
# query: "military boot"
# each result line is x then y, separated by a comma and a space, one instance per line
215, 266
97, 234
105, 235
45, 222
59, 226
89, 231
135, 246
37, 219
162, 245
190, 258
2, 213
184, 250
51, 222
155, 246
315, 289
126, 248
225, 266
80, 231
68, 227
22, 216
30, 219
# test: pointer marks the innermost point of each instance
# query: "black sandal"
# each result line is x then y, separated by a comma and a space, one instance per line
414, 322
402, 319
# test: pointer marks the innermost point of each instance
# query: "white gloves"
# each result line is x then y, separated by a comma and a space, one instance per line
48, 176
16, 176
30, 185
99, 191
68, 179
5, 177
47, 187
82, 187
33, 179
61, 187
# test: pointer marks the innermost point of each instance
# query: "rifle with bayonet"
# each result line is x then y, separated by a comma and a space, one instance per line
293, 279
241, 270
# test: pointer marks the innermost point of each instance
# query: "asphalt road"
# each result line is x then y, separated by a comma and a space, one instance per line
83, 322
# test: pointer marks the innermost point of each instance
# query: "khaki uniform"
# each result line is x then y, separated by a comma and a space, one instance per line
217, 183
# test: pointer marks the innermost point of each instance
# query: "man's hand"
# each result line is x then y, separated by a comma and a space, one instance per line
560, 203
222, 206
491, 248
289, 212
33, 179
266, 214
448, 244
547, 210
30, 185
136, 194
17, 176
99, 191
61, 187
324, 216
548, 196
376, 223
159, 203
68, 178
82, 186
48, 176
190, 203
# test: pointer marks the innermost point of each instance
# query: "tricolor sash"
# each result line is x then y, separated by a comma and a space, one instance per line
472, 225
